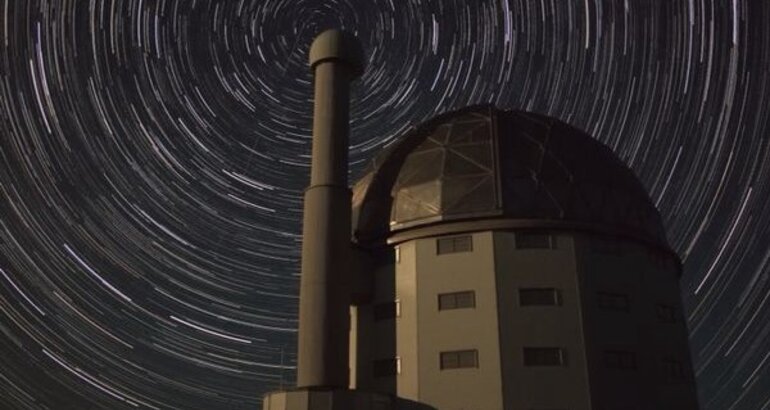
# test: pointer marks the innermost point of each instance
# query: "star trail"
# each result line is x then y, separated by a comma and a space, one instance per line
154, 153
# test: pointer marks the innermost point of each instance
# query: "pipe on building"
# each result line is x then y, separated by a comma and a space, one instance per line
336, 59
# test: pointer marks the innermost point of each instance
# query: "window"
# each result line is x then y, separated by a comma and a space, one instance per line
457, 300
388, 310
618, 359
613, 301
387, 367
533, 240
454, 244
666, 313
539, 297
673, 369
459, 359
544, 356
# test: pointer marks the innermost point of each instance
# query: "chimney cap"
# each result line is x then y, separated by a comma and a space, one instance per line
338, 45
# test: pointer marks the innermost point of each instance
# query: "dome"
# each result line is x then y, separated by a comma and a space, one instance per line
503, 169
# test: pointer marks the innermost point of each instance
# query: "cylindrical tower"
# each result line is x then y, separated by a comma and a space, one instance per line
325, 286
336, 59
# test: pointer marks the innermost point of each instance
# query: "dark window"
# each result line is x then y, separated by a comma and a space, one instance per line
388, 310
532, 240
613, 301
387, 367
619, 359
457, 300
666, 313
673, 369
459, 359
454, 244
539, 297
544, 356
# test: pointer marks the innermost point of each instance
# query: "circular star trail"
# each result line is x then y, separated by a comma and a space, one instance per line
153, 155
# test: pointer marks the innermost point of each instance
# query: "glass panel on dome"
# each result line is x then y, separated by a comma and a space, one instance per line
479, 153
463, 132
430, 143
416, 202
519, 195
441, 133
421, 167
468, 195
457, 164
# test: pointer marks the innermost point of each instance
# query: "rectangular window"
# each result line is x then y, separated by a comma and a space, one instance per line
459, 359
387, 367
666, 313
673, 369
387, 310
613, 301
454, 244
539, 297
534, 240
619, 359
457, 300
544, 356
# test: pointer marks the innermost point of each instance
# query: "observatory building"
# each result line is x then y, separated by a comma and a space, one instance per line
491, 260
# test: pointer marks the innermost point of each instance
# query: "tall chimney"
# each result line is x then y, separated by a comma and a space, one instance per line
337, 59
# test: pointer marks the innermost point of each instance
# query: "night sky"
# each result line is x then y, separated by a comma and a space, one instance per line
154, 154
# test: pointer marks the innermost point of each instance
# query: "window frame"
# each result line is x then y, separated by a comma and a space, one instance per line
535, 356
454, 244
554, 292
458, 359
620, 359
673, 369
453, 297
665, 313
613, 301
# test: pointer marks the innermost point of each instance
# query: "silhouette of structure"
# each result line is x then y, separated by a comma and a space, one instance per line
499, 260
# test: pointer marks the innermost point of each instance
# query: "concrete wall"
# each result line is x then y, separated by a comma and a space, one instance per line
535, 387
430, 274
499, 328
649, 279
407, 325
371, 340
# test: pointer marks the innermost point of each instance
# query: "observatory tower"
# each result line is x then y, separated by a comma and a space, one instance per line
491, 260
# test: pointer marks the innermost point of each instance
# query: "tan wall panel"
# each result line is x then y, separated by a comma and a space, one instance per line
407, 324
540, 326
